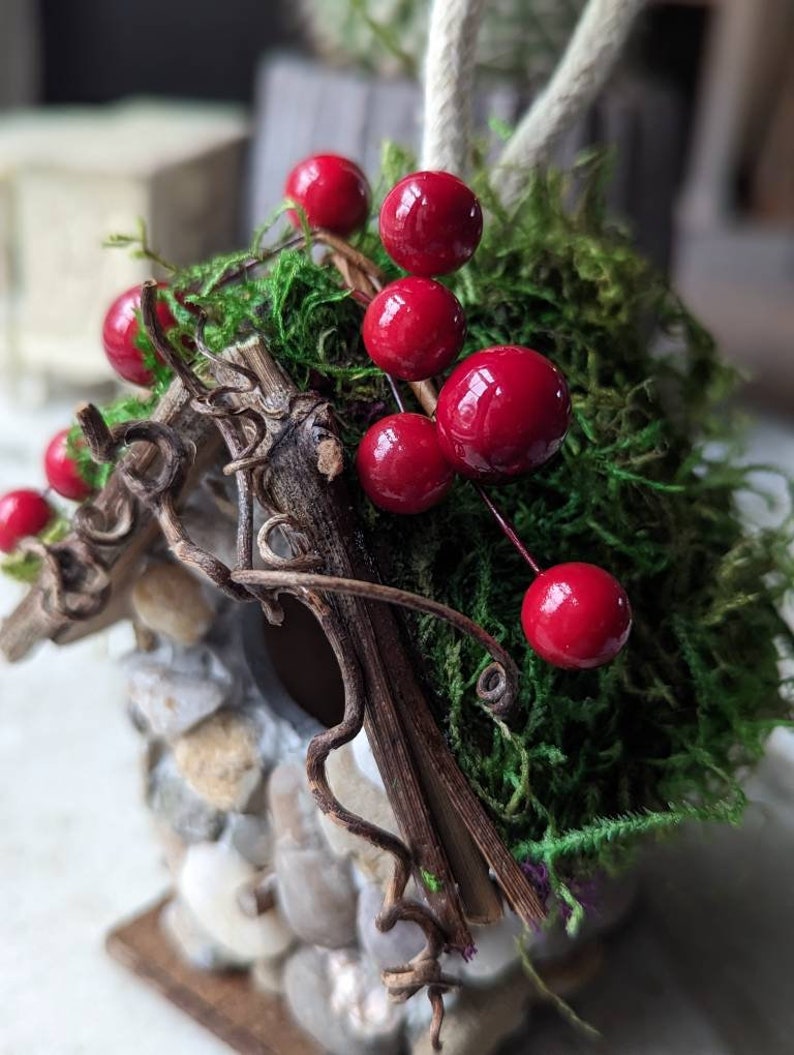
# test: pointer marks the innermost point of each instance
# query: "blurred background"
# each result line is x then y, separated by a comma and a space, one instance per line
189, 114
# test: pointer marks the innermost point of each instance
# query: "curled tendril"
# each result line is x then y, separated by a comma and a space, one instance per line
176, 455
104, 527
300, 557
497, 686
76, 583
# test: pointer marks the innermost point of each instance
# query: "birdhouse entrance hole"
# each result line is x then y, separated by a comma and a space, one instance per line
296, 658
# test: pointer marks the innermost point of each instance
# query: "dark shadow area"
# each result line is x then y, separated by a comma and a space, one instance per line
100, 50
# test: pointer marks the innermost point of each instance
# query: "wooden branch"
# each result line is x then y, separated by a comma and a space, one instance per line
321, 509
37, 617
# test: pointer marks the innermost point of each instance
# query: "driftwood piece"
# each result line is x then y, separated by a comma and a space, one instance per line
366, 635
322, 512
100, 555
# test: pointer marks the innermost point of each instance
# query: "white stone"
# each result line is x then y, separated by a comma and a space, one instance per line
497, 951
169, 703
192, 942
391, 948
316, 892
340, 1002
366, 800
211, 878
268, 975
365, 760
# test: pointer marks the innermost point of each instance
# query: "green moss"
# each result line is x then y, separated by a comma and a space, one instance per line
596, 759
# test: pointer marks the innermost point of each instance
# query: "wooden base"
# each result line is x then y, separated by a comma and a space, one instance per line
250, 1022
255, 1023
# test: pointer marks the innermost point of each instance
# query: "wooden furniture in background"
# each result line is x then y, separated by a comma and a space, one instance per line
735, 252
72, 177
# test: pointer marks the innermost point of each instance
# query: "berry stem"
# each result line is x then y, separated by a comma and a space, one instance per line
426, 394
395, 391
508, 528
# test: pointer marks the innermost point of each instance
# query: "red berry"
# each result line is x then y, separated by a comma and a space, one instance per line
576, 616
504, 411
414, 328
430, 223
121, 335
22, 513
332, 191
400, 466
61, 469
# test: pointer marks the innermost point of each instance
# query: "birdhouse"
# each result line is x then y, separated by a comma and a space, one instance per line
440, 604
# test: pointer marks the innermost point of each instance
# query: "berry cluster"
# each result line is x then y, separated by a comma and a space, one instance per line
502, 412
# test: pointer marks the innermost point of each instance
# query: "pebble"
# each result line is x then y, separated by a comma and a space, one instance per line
192, 942
267, 976
209, 882
170, 601
365, 760
220, 760
366, 800
172, 846
391, 948
316, 892
173, 802
341, 1003
170, 703
251, 837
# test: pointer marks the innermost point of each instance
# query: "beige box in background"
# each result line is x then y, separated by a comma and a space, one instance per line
69, 180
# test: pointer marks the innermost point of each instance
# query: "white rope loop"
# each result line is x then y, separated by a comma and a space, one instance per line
581, 73
449, 81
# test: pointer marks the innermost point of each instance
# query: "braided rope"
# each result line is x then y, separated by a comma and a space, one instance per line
580, 75
449, 79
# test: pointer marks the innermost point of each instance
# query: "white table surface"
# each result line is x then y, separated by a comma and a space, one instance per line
705, 968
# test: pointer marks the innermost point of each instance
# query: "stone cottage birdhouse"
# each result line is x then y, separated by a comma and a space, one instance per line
389, 752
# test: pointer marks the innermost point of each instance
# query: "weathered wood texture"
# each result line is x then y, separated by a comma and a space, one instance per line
303, 107
37, 618
408, 747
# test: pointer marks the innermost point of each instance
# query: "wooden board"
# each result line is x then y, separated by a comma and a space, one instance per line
250, 1022
353, 113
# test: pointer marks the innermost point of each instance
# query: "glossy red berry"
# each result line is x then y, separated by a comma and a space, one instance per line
576, 616
122, 336
430, 223
22, 513
332, 191
61, 469
414, 328
504, 411
400, 465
